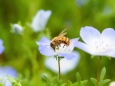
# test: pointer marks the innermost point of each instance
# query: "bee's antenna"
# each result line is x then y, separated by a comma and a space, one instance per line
63, 33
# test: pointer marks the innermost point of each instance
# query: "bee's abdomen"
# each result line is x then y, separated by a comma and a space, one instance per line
57, 41
65, 40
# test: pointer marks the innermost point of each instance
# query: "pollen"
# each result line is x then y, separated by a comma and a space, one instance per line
101, 45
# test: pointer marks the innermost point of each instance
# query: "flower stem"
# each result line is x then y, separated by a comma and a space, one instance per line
98, 71
59, 68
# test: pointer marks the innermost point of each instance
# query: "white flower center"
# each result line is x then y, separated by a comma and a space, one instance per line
61, 48
101, 45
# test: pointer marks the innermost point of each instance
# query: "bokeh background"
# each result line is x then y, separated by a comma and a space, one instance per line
21, 51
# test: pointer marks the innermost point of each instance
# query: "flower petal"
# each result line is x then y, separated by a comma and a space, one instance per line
7, 71
109, 34
40, 20
65, 65
112, 83
43, 41
1, 46
68, 56
1, 49
109, 52
112, 54
4, 71
89, 34
73, 42
46, 50
7, 83
10, 71
17, 29
84, 47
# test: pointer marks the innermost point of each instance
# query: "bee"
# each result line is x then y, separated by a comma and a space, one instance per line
56, 41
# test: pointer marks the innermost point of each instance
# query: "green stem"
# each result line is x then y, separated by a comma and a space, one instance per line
58, 67
98, 71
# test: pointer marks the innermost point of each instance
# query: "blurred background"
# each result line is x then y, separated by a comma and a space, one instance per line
21, 51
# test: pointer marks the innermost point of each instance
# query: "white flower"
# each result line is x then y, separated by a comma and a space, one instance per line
112, 84
40, 20
65, 65
96, 43
4, 73
17, 29
1, 46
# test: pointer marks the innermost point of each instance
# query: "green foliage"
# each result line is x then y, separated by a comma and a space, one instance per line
53, 82
21, 51
15, 81
79, 82
56, 82
94, 80
1, 85
102, 81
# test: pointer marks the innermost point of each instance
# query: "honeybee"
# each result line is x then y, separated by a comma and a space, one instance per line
56, 41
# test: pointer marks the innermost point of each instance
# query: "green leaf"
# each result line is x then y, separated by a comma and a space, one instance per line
19, 84
102, 75
78, 78
78, 82
75, 84
1, 84
45, 78
94, 80
84, 82
13, 80
109, 57
69, 83
57, 82
106, 80
92, 57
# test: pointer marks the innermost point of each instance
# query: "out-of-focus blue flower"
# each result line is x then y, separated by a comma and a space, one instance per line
40, 20
17, 29
81, 3
96, 43
61, 51
107, 11
1, 46
65, 65
4, 73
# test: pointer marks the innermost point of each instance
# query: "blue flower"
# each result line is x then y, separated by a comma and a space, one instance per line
81, 3
62, 51
4, 73
17, 29
40, 20
1, 46
96, 43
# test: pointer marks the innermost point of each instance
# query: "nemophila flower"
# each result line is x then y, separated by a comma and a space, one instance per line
60, 50
40, 20
17, 29
4, 73
112, 84
81, 3
65, 65
96, 43
1, 46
